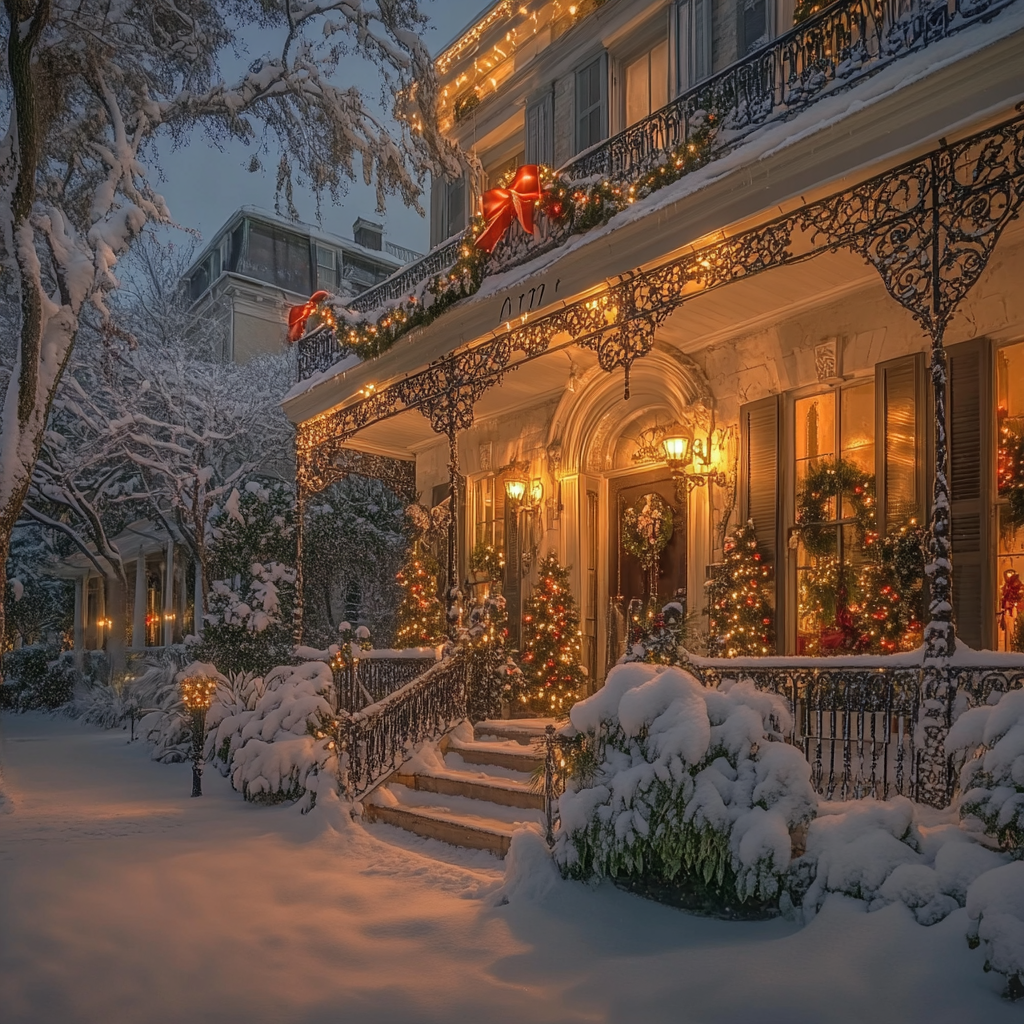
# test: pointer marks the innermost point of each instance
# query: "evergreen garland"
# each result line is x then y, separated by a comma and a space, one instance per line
741, 618
807, 9
554, 679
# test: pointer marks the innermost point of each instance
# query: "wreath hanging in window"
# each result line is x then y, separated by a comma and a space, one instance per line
647, 528
849, 487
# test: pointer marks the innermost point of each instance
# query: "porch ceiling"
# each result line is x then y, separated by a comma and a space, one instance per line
402, 435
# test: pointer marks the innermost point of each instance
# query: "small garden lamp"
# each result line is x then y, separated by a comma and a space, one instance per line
197, 696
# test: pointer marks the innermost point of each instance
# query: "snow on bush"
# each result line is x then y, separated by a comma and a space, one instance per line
530, 873
691, 783
167, 728
995, 906
992, 780
283, 748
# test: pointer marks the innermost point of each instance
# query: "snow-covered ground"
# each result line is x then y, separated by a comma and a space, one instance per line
122, 900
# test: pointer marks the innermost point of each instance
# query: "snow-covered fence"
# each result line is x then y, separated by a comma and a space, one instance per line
377, 741
374, 675
857, 719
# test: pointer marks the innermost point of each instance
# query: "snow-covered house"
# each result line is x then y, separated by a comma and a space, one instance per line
161, 582
814, 260
259, 264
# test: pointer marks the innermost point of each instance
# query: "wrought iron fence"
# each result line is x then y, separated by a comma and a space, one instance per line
855, 726
834, 48
375, 742
369, 680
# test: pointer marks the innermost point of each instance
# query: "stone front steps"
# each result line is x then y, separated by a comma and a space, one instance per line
472, 791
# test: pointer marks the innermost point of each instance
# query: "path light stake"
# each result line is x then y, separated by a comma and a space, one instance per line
197, 695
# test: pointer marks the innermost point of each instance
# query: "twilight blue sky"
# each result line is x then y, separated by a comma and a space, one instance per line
203, 184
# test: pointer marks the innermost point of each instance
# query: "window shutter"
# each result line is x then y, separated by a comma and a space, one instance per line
900, 403
968, 414
540, 141
759, 483
438, 228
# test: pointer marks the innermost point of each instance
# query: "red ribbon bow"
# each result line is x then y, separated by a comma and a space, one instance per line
298, 315
504, 205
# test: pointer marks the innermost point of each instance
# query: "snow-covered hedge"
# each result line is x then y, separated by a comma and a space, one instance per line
692, 785
995, 906
281, 747
992, 780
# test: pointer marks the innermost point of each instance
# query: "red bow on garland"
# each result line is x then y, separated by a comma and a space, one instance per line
504, 205
298, 315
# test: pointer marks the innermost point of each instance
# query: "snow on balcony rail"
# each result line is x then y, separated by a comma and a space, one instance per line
829, 51
833, 49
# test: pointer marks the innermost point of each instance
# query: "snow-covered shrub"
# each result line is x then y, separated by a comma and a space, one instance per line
166, 727
995, 906
234, 704
992, 780
32, 680
693, 786
284, 747
248, 621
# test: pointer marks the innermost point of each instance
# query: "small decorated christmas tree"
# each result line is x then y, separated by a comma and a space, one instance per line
421, 621
740, 613
553, 676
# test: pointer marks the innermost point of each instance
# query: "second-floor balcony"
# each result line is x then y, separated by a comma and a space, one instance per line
834, 50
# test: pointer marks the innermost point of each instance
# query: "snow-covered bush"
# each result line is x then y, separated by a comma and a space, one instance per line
283, 748
252, 590
233, 705
995, 906
693, 786
992, 780
166, 728
29, 682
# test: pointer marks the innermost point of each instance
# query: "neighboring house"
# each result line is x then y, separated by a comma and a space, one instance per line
259, 264
162, 591
777, 307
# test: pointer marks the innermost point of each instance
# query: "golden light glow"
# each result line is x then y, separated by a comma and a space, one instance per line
197, 692
677, 449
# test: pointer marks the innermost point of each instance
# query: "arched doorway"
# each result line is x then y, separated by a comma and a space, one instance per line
603, 470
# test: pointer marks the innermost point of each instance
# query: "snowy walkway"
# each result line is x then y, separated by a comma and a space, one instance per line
123, 900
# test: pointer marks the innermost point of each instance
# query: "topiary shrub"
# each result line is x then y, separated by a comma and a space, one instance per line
692, 798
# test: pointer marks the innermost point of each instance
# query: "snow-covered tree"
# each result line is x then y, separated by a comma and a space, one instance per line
91, 86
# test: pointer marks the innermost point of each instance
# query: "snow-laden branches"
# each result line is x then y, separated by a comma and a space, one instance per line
88, 87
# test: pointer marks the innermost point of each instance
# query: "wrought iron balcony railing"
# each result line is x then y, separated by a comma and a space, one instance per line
836, 47
832, 50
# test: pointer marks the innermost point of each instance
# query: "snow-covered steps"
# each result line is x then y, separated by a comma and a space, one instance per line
471, 790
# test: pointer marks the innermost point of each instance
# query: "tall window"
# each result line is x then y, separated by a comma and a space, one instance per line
489, 513
646, 83
447, 209
835, 477
1009, 366
693, 42
591, 104
326, 268
753, 25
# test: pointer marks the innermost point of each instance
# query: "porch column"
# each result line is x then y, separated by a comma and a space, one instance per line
934, 784
79, 623
168, 622
139, 604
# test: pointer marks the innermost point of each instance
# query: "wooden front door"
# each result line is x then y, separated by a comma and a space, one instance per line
628, 580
